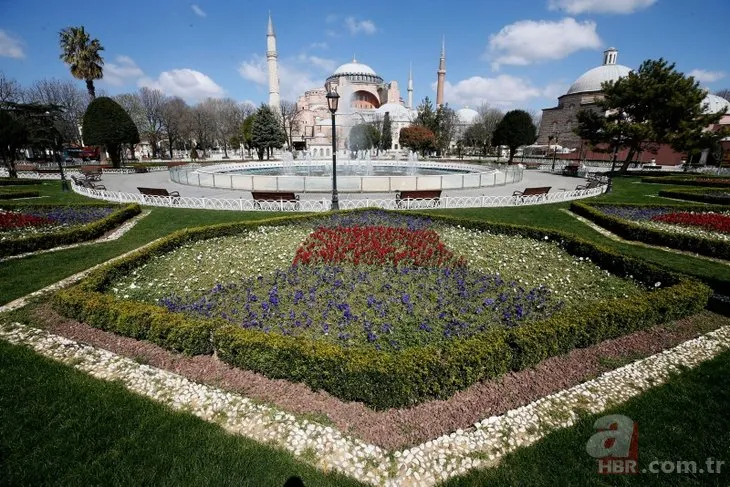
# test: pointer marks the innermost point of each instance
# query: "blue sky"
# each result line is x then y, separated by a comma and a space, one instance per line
510, 54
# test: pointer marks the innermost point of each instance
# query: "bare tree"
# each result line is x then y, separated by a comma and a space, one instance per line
288, 112
724, 93
10, 90
202, 125
174, 113
152, 104
70, 98
132, 104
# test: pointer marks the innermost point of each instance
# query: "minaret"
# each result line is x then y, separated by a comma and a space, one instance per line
610, 56
410, 87
271, 56
441, 75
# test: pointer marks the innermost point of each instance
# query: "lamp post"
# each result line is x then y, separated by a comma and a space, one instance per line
555, 149
333, 100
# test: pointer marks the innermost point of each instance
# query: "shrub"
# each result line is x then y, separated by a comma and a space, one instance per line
703, 181
711, 196
386, 379
107, 124
11, 195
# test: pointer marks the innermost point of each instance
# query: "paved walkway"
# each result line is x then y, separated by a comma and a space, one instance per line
128, 183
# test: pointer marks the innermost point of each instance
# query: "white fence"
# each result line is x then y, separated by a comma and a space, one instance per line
75, 172
220, 176
317, 205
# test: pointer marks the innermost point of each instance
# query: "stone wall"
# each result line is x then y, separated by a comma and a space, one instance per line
562, 119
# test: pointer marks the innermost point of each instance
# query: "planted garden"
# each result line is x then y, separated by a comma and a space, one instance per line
375, 306
701, 229
29, 228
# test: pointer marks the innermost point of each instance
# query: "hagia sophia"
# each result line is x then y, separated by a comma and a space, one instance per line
366, 97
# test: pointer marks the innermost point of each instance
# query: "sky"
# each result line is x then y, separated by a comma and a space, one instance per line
506, 53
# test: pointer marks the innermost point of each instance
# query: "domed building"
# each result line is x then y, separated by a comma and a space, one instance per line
364, 97
558, 123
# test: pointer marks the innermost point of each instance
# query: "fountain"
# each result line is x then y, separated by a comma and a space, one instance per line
287, 164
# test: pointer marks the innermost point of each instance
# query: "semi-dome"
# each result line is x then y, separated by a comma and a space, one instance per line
593, 79
397, 112
716, 104
467, 115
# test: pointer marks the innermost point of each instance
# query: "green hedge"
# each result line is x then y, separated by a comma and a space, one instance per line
722, 182
11, 195
69, 236
632, 231
703, 196
19, 182
387, 379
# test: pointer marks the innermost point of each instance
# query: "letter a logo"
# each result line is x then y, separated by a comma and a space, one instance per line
617, 437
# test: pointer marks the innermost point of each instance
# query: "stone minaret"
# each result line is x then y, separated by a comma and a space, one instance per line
274, 101
441, 75
410, 87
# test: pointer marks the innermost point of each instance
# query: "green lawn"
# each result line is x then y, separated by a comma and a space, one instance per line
58, 426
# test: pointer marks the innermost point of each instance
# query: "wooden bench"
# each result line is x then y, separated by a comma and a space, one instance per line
150, 193
85, 183
539, 192
589, 185
283, 198
571, 170
91, 173
432, 197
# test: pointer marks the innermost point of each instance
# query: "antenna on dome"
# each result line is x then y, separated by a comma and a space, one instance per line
354, 60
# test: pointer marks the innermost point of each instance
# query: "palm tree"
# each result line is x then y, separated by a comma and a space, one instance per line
81, 53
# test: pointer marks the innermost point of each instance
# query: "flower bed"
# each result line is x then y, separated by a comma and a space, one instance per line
30, 228
713, 196
387, 328
700, 229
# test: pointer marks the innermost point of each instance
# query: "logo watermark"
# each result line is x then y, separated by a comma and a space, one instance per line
616, 447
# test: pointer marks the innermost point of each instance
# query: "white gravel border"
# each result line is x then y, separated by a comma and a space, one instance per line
327, 448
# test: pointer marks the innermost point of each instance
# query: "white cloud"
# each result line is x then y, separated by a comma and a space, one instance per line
502, 91
357, 26
704, 76
575, 7
295, 74
186, 83
198, 11
528, 41
327, 65
121, 71
10, 46
319, 45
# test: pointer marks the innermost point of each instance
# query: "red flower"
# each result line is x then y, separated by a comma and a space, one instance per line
709, 221
10, 220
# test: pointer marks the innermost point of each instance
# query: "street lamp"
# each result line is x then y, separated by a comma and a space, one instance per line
333, 99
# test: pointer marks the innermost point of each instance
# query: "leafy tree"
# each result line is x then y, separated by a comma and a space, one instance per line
13, 136
651, 106
386, 133
427, 116
82, 54
363, 136
417, 138
107, 124
515, 130
266, 132
446, 121
246, 132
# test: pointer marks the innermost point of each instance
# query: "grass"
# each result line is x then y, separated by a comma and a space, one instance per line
62, 427
59, 426
688, 418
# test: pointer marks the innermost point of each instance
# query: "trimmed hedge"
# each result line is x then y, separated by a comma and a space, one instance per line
69, 236
11, 195
632, 231
387, 379
722, 182
703, 196
19, 182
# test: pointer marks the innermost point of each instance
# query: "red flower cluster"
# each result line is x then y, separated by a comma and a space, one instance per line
376, 245
709, 221
10, 220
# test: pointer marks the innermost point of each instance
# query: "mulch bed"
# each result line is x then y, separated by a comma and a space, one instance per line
397, 428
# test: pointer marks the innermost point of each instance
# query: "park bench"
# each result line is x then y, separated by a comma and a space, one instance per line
589, 185
571, 170
140, 169
432, 197
91, 173
85, 183
539, 192
282, 198
150, 193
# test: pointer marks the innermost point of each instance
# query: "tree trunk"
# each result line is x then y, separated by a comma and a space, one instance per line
170, 141
225, 150
512, 151
114, 154
90, 88
260, 153
627, 162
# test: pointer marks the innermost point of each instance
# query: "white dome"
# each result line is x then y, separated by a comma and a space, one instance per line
467, 115
398, 113
716, 104
592, 80
354, 68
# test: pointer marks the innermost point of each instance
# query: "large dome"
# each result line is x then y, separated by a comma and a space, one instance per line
716, 104
354, 68
467, 115
593, 79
